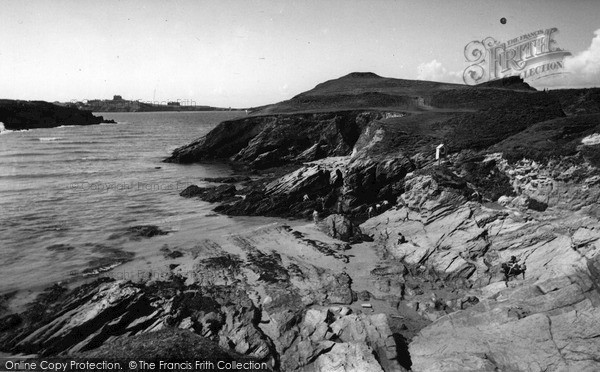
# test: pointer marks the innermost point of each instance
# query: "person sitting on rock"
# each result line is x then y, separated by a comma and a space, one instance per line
401, 239
305, 198
513, 268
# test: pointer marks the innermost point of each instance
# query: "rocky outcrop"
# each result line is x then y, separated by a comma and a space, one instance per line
539, 322
225, 140
138, 232
570, 183
286, 308
547, 325
18, 115
171, 345
332, 339
314, 186
273, 140
95, 313
209, 194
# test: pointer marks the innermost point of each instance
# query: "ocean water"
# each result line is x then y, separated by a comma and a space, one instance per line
67, 193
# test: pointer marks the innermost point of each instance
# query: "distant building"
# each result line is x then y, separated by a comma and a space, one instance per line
117, 98
173, 104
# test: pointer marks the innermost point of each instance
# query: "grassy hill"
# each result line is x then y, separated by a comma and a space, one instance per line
370, 91
416, 115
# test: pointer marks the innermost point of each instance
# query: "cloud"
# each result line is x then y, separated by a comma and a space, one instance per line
434, 71
581, 70
587, 63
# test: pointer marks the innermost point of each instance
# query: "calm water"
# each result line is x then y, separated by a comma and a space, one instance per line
73, 187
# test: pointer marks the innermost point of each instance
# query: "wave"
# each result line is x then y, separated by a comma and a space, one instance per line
92, 159
18, 155
49, 139
66, 126
83, 142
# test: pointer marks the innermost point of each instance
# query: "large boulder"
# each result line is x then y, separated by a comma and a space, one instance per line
341, 227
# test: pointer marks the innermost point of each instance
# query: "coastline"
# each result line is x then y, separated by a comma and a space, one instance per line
405, 258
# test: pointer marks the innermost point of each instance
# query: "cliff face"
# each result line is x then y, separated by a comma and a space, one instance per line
17, 115
273, 140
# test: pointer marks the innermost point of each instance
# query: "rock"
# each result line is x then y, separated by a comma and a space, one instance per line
364, 296
338, 289
306, 345
372, 330
369, 180
9, 322
191, 191
593, 265
545, 328
86, 317
209, 194
60, 247
219, 193
346, 357
145, 231
285, 196
225, 140
413, 305
438, 191
468, 301
585, 235
168, 344
174, 254
340, 227
272, 140
536, 205
568, 182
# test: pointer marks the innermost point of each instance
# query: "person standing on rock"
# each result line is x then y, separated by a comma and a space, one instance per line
315, 216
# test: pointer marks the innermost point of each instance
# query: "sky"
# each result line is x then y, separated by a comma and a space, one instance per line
250, 53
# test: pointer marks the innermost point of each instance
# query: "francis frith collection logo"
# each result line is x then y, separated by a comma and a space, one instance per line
531, 56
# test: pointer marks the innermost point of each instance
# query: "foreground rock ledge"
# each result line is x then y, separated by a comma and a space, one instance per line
266, 306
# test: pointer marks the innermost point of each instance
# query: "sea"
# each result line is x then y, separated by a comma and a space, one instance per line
68, 194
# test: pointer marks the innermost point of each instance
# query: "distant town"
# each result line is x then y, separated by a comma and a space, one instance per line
118, 104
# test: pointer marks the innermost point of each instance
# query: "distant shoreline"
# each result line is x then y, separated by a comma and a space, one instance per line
122, 105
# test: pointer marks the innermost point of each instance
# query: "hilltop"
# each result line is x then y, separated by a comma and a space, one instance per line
366, 90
